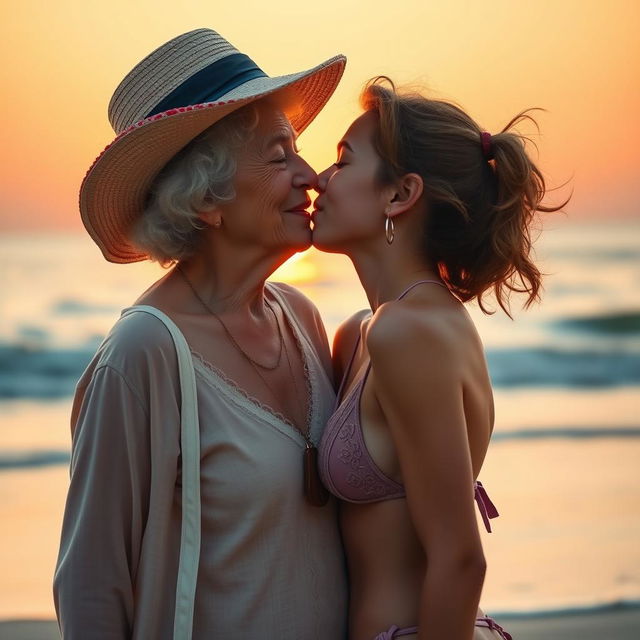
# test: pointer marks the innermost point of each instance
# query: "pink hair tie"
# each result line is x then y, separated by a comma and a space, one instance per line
487, 147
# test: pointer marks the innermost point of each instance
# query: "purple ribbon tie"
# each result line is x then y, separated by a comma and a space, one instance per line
492, 625
486, 507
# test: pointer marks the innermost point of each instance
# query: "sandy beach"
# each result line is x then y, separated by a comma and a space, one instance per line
610, 625
562, 470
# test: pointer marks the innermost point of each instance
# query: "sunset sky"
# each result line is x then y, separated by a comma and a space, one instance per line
579, 59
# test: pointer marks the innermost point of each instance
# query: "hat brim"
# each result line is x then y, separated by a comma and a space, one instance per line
112, 193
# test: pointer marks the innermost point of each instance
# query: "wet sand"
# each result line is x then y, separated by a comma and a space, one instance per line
611, 625
621, 624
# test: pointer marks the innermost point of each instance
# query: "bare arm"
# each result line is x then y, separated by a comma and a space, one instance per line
417, 378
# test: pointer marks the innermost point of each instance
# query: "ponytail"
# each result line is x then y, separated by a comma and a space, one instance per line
482, 193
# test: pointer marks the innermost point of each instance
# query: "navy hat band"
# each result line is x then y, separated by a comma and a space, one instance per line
211, 83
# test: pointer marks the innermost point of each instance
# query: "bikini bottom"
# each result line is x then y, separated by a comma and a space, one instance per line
481, 623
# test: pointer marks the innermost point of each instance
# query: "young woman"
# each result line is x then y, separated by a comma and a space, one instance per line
433, 212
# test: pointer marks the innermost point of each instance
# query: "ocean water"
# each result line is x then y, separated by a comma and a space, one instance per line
563, 467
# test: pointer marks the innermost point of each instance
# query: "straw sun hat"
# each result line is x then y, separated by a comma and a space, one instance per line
167, 100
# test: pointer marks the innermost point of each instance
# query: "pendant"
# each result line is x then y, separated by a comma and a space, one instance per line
314, 491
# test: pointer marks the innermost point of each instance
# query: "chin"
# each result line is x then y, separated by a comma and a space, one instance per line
329, 249
303, 246
323, 242
301, 242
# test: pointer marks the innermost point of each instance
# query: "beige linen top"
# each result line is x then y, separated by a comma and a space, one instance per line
271, 566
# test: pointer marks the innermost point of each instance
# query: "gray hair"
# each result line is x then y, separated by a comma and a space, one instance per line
195, 180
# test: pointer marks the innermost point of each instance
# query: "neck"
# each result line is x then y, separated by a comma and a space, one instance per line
387, 271
231, 281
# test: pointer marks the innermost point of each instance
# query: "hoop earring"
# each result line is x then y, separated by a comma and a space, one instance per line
389, 229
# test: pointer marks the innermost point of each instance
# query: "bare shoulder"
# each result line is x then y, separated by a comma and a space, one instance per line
405, 333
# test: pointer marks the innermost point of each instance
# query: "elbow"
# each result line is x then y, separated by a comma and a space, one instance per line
468, 566
472, 564
477, 566
473, 573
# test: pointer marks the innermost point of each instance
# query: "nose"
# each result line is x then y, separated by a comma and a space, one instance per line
304, 176
323, 177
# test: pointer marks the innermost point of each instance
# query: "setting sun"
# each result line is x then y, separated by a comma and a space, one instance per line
186, 424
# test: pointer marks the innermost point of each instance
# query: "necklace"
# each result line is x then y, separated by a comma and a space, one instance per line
235, 343
314, 491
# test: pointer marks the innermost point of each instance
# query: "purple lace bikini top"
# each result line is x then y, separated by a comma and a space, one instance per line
347, 469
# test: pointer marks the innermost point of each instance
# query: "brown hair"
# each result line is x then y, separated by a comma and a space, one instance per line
479, 212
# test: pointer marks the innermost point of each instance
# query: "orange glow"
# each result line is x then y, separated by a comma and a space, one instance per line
578, 59
299, 269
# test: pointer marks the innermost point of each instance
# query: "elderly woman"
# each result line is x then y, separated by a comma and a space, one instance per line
231, 536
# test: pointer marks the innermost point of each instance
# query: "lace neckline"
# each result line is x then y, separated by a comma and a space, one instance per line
251, 400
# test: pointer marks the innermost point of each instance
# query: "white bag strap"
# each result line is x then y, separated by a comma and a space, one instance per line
190, 447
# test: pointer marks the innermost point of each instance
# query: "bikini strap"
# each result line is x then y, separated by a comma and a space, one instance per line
357, 343
415, 284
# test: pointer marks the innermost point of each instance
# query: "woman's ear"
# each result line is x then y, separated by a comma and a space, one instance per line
407, 191
211, 217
